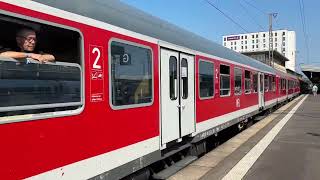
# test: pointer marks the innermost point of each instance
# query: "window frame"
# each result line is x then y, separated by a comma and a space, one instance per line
220, 80
52, 114
234, 78
131, 106
209, 97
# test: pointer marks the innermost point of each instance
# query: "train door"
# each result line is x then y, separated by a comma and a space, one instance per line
261, 90
177, 95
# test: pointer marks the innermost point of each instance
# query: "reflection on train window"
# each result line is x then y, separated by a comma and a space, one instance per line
255, 82
237, 81
173, 64
224, 80
131, 74
206, 79
273, 82
29, 87
247, 77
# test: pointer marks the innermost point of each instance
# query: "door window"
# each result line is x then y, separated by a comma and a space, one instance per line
173, 63
184, 78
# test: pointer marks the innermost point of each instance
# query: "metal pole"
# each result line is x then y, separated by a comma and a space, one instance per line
271, 15
270, 36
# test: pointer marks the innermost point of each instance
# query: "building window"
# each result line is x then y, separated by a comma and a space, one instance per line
283, 38
276, 39
283, 33
283, 49
235, 43
232, 48
255, 82
257, 46
235, 48
225, 44
224, 39
257, 40
247, 81
252, 41
241, 42
231, 43
275, 34
252, 36
257, 35
237, 81
276, 44
246, 47
241, 37
264, 40
245, 42
245, 36
264, 35
283, 43
224, 80
206, 79
264, 45
131, 80
252, 46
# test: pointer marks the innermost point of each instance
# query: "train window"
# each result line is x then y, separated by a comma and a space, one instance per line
30, 87
173, 77
247, 77
224, 80
270, 83
255, 82
237, 81
273, 81
266, 83
184, 78
206, 79
131, 81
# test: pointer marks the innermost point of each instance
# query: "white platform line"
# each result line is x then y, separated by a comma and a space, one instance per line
243, 166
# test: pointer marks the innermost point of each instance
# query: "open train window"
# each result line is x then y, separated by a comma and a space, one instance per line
206, 79
224, 80
30, 87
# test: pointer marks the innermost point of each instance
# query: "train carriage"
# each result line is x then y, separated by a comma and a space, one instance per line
127, 90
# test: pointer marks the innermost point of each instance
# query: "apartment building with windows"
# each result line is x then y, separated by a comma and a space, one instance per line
284, 41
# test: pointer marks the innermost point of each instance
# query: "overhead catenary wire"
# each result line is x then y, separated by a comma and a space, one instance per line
255, 7
251, 17
224, 14
304, 27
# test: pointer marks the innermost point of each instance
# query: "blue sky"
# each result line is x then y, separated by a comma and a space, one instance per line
199, 17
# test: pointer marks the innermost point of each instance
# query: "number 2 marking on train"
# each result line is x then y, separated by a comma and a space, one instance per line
95, 64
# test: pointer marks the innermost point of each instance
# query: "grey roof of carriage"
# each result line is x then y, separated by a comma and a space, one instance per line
122, 15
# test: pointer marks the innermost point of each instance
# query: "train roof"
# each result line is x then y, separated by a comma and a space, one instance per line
122, 15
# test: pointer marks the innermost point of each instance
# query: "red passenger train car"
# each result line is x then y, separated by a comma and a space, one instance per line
127, 90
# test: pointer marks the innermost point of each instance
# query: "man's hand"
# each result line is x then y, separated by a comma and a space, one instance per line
42, 58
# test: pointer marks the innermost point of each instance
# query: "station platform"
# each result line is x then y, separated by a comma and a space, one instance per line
284, 145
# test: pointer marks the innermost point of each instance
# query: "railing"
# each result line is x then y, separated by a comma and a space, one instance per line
28, 84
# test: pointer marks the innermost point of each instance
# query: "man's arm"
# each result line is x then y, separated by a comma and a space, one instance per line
22, 55
15, 55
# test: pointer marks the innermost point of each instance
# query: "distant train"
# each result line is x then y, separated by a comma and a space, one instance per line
128, 90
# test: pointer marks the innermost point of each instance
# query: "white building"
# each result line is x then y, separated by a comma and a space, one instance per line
284, 41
